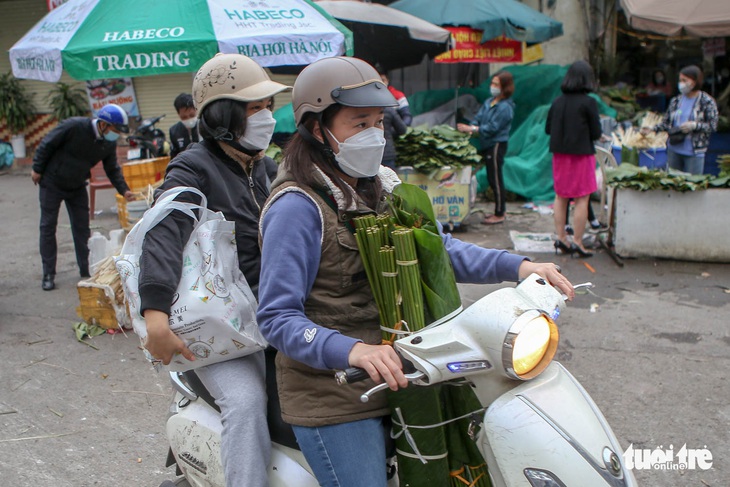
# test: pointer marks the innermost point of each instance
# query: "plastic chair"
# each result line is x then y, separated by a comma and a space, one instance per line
605, 160
98, 180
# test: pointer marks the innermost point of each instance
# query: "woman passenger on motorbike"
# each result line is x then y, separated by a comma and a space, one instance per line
315, 304
232, 95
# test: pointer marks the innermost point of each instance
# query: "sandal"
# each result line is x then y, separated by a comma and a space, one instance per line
493, 220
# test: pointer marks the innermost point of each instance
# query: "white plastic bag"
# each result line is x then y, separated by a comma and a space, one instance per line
214, 311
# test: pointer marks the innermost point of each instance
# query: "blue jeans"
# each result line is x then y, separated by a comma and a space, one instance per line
692, 164
346, 455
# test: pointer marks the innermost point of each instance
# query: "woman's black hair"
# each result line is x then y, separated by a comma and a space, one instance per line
299, 153
579, 79
694, 73
223, 119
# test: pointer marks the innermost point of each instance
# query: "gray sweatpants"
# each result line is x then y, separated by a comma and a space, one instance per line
239, 389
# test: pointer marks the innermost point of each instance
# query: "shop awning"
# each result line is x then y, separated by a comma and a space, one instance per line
508, 18
701, 18
94, 39
388, 37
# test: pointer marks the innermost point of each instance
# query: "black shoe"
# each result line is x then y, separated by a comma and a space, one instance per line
84, 274
562, 247
575, 250
48, 283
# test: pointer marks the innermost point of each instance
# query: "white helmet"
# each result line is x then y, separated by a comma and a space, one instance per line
234, 77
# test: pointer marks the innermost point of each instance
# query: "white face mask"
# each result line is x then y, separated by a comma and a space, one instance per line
190, 123
359, 156
259, 129
684, 88
494, 91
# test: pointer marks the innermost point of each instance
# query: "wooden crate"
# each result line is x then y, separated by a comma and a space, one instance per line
101, 299
125, 221
140, 174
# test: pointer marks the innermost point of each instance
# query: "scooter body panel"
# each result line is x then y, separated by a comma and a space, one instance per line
552, 426
288, 468
194, 432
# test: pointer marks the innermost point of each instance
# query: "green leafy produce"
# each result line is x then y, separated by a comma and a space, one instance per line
428, 150
412, 279
724, 162
638, 178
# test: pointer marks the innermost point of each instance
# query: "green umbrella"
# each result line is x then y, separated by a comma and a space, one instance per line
95, 39
509, 18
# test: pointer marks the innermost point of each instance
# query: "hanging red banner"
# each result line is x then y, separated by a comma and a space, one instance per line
469, 48
55, 3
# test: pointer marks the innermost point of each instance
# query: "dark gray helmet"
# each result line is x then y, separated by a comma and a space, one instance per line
345, 80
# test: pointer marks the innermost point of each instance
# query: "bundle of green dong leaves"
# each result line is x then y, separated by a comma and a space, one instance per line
413, 285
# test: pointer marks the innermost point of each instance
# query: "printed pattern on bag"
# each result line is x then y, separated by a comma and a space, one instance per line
214, 310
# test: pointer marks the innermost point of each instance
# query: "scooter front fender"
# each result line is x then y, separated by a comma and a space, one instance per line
550, 429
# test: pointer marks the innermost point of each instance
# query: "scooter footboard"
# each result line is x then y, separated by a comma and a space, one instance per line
548, 432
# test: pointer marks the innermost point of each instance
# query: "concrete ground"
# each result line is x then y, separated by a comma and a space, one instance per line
650, 344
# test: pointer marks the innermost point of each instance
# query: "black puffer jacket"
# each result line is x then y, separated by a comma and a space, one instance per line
229, 190
66, 155
181, 137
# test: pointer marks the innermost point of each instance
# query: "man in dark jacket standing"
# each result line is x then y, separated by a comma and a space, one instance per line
61, 166
185, 132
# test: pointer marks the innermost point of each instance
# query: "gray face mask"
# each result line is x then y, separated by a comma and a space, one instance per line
495, 92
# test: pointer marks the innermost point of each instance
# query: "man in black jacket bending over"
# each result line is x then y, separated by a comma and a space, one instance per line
61, 165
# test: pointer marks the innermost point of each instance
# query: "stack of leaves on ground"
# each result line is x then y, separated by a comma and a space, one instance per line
413, 284
629, 176
428, 150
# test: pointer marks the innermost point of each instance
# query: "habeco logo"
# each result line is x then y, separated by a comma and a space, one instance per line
143, 34
142, 60
666, 459
264, 14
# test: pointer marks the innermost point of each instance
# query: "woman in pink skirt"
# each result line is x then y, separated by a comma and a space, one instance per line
573, 126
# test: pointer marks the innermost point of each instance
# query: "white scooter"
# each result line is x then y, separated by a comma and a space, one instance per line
540, 429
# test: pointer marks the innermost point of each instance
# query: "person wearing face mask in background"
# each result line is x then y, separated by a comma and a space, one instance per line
315, 304
185, 132
659, 84
690, 119
233, 96
61, 167
493, 123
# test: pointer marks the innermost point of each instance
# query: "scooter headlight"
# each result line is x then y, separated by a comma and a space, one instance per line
530, 345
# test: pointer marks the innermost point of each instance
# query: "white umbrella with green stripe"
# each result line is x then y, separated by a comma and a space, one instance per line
94, 39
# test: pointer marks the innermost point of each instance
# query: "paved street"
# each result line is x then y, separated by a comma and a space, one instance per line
650, 343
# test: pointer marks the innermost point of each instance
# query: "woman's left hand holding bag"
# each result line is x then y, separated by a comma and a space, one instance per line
161, 342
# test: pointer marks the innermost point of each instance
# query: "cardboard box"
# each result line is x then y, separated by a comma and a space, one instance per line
452, 191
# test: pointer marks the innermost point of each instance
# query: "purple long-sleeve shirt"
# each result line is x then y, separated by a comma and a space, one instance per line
292, 246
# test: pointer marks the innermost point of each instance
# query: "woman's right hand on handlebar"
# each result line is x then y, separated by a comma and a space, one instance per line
161, 342
380, 362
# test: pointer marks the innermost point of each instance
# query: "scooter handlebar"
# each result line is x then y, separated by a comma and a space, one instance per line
350, 375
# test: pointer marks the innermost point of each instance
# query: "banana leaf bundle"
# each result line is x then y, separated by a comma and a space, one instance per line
428, 150
431, 450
